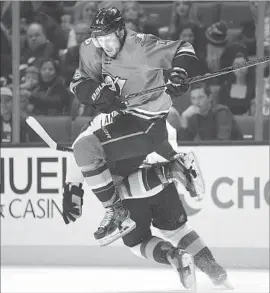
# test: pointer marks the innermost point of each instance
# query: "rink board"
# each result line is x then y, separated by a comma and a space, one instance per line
233, 217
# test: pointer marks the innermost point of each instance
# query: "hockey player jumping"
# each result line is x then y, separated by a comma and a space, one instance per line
116, 62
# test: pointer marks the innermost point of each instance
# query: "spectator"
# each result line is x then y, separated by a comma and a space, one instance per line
206, 120
71, 58
238, 90
6, 114
38, 46
247, 37
217, 39
67, 27
265, 102
189, 33
85, 11
181, 14
229, 53
29, 82
51, 96
31, 78
133, 13
5, 53
6, 96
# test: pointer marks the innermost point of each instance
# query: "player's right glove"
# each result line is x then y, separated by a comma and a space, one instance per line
177, 82
72, 202
106, 100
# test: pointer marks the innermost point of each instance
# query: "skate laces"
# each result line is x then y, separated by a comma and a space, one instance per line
107, 218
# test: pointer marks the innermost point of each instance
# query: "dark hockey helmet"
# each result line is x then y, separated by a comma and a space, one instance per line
106, 21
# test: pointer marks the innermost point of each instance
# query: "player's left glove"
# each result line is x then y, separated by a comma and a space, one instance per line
177, 82
72, 202
106, 100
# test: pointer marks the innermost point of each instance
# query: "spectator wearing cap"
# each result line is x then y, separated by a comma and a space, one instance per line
38, 46
238, 90
205, 120
6, 97
217, 39
51, 97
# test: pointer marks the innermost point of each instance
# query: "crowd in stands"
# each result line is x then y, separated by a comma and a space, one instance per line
51, 33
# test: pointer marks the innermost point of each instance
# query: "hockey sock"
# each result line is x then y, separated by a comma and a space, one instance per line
101, 183
90, 157
155, 249
188, 239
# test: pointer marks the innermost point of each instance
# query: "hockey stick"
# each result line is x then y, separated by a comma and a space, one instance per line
42, 133
203, 77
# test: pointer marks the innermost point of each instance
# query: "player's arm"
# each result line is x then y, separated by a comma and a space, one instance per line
177, 58
87, 83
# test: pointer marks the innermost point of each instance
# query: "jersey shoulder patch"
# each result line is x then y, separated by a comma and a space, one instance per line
87, 41
140, 39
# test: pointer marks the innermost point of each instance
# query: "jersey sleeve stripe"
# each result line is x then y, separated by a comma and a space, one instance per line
185, 47
186, 54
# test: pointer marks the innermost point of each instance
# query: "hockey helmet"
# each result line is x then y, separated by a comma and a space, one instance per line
107, 21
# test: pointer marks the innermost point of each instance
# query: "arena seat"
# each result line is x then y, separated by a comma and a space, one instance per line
58, 127
247, 125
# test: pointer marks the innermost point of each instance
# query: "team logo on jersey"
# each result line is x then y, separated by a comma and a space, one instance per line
116, 83
87, 41
140, 38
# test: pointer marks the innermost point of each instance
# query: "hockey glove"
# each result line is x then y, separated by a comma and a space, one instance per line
106, 100
177, 82
72, 202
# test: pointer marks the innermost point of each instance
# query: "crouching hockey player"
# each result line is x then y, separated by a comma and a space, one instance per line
116, 62
150, 196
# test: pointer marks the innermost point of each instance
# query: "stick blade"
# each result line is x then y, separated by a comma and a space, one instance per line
35, 125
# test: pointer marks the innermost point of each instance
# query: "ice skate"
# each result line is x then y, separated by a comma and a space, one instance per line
183, 263
115, 224
195, 183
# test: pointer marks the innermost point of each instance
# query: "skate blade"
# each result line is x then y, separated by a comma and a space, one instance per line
226, 285
189, 279
198, 182
128, 226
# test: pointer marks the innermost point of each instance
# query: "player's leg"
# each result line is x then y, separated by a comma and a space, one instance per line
126, 137
171, 220
143, 244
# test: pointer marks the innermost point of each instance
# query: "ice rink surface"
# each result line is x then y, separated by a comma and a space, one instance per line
120, 280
